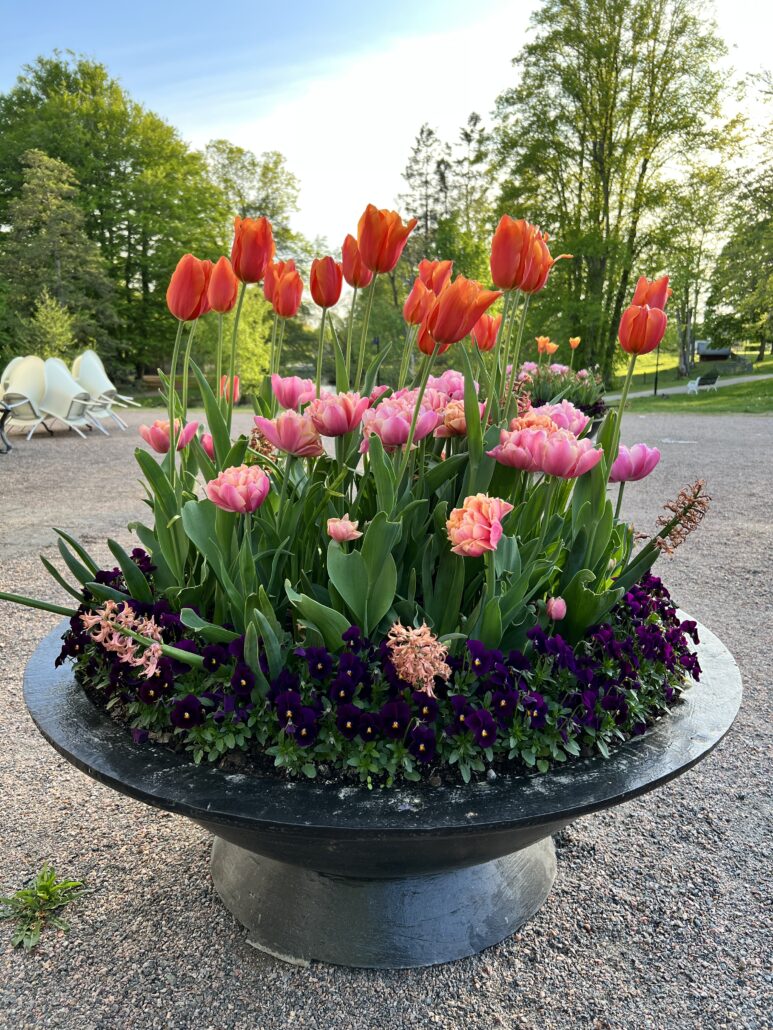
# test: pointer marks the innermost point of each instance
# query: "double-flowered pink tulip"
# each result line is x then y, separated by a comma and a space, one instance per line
337, 414
565, 415
566, 457
450, 382
292, 433
520, 448
391, 422
241, 489
291, 391
157, 435
343, 529
634, 463
476, 527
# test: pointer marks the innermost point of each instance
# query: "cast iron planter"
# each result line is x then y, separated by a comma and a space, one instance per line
385, 878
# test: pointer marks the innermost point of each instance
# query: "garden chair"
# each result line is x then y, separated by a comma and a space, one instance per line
89, 371
66, 400
6, 376
22, 398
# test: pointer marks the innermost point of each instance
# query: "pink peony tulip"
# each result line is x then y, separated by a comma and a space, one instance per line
556, 608
337, 414
377, 393
242, 489
343, 529
450, 382
291, 391
292, 433
209, 445
225, 390
520, 448
476, 527
391, 422
157, 435
566, 457
565, 415
634, 463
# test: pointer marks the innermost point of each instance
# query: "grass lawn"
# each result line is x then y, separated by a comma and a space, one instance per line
644, 373
743, 399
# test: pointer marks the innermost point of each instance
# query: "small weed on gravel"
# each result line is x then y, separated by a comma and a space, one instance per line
33, 907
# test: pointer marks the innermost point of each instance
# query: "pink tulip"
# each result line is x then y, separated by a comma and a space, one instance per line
225, 390
556, 608
241, 489
343, 529
566, 457
377, 393
157, 435
292, 433
337, 414
209, 445
565, 415
291, 391
391, 422
476, 527
519, 449
633, 464
434, 399
450, 382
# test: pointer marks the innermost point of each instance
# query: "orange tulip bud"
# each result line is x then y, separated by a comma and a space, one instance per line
186, 295
355, 271
655, 293
225, 390
457, 309
326, 280
520, 259
641, 329
418, 303
485, 330
435, 274
574, 342
288, 290
252, 249
223, 287
274, 271
381, 237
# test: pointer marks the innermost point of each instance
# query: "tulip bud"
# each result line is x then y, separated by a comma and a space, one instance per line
186, 295
325, 281
641, 329
225, 390
355, 271
556, 608
381, 237
253, 248
223, 287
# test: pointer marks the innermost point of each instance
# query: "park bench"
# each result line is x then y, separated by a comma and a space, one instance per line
707, 381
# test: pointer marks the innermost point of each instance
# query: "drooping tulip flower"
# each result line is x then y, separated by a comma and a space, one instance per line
337, 414
343, 529
356, 273
274, 271
209, 445
391, 422
556, 608
476, 527
287, 293
241, 489
291, 391
520, 258
435, 274
157, 435
292, 433
457, 309
325, 281
381, 237
223, 287
654, 294
574, 342
634, 463
418, 303
641, 329
485, 330
225, 389
186, 295
253, 248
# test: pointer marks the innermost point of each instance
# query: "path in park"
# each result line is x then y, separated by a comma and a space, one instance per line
657, 916
682, 388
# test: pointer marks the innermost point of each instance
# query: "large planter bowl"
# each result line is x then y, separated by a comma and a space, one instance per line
408, 876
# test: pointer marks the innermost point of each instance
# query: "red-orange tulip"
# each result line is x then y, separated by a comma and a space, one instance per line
355, 271
641, 329
223, 287
418, 303
457, 309
186, 295
520, 259
326, 280
435, 274
274, 271
485, 330
381, 238
288, 290
252, 249
655, 293
574, 342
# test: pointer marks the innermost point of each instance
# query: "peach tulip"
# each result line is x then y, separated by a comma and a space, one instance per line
223, 287
641, 329
520, 258
418, 303
485, 331
457, 309
654, 294
476, 527
253, 248
343, 529
435, 275
186, 295
574, 342
355, 271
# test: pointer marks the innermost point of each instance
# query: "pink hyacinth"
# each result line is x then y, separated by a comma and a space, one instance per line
565, 415
209, 445
583, 373
241, 489
634, 463
337, 414
566, 457
556, 608
157, 435
528, 366
476, 527
343, 529
391, 422
292, 433
291, 391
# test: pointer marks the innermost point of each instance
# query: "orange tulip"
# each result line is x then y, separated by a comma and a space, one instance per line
326, 280
288, 290
355, 272
457, 309
574, 342
435, 274
485, 330
542, 344
551, 348
274, 271
252, 249
655, 293
520, 259
418, 303
186, 295
381, 237
641, 329
223, 287
225, 389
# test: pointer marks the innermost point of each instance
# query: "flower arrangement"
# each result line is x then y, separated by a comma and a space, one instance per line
538, 384
421, 580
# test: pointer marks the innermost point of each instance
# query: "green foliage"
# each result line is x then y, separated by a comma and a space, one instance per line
32, 908
50, 331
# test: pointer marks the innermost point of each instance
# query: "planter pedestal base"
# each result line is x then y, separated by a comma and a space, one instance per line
296, 914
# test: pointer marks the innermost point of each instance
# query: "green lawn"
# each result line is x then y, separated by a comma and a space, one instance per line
644, 373
744, 399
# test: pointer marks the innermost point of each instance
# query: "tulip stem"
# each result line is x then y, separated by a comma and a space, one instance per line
349, 332
516, 355
427, 364
363, 337
232, 361
410, 339
171, 397
272, 358
319, 349
623, 399
495, 379
219, 357
491, 574
619, 501
186, 367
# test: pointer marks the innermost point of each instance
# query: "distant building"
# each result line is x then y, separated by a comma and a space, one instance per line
706, 352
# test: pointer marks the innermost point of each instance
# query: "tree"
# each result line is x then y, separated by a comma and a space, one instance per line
50, 331
427, 177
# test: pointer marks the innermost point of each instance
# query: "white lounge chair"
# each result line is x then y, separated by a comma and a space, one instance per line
89, 371
23, 396
5, 378
66, 400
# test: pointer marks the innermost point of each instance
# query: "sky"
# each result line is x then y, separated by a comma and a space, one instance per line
340, 88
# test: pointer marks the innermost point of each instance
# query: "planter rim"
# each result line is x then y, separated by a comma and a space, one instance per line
87, 737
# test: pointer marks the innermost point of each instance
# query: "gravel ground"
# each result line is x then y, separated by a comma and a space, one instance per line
658, 915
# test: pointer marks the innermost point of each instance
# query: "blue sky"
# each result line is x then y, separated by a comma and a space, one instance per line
341, 87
